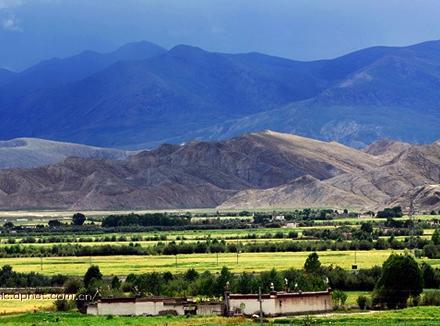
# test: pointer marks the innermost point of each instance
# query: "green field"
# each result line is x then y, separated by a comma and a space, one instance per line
250, 262
419, 316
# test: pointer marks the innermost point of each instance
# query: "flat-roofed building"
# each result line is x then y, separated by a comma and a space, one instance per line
152, 306
279, 303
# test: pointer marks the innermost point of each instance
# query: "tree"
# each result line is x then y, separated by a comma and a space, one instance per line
190, 275
223, 279
390, 212
401, 278
269, 278
151, 283
8, 225
245, 283
312, 264
436, 237
78, 219
54, 223
92, 274
429, 278
367, 227
116, 283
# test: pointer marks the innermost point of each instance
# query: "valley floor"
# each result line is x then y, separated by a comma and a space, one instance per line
250, 262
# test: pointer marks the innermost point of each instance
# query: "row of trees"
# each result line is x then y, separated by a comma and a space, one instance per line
209, 246
12, 279
152, 219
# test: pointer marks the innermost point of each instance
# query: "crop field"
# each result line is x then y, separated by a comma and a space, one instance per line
41, 217
247, 261
11, 306
218, 234
250, 262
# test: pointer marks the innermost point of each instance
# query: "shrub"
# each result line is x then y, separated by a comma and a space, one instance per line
339, 297
72, 286
431, 298
63, 305
363, 302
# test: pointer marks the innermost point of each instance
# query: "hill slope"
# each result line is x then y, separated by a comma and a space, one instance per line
149, 100
32, 152
385, 92
5, 75
265, 169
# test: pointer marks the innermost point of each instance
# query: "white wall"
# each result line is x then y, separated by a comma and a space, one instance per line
283, 305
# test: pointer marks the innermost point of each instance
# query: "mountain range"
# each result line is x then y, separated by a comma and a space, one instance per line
265, 169
142, 95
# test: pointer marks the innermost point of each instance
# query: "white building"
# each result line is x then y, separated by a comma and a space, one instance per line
272, 304
152, 306
280, 303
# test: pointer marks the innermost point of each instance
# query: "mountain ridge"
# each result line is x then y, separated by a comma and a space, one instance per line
262, 170
188, 93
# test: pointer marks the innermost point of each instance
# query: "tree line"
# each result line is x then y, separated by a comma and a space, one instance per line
210, 246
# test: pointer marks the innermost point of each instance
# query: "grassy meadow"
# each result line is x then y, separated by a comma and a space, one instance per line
417, 316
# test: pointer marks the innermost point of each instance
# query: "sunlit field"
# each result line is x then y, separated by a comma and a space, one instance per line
250, 262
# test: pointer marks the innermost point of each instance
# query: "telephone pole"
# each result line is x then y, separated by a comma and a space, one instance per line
260, 300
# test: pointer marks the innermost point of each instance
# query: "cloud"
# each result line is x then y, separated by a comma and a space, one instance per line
7, 4
11, 23
8, 20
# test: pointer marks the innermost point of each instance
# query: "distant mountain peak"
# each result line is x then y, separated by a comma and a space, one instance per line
183, 50
139, 48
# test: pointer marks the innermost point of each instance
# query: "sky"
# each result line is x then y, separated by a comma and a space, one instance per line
33, 30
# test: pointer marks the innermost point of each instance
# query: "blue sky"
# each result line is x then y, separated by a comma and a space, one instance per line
32, 30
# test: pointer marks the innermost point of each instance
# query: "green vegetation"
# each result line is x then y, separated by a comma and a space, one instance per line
196, 253
417, 316
78, 219
401, 279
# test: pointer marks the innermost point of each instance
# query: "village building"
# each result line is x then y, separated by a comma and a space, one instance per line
152, 306
279, 303
272, 304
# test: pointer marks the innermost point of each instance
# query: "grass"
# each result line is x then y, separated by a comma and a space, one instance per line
425, 316
418, 316
250, 262
353, 295
76, 319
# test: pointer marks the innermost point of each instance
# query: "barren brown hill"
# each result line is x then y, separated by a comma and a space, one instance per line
386, 148
304, 191
264, 169
426, 198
